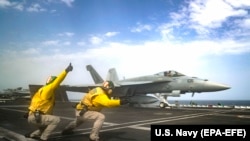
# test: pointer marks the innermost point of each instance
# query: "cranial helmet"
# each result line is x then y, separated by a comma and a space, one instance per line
50, 79
108, 85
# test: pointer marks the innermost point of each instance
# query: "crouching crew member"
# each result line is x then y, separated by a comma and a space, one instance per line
41, 107
90, 106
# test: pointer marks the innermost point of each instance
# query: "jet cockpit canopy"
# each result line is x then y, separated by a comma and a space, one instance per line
170, 73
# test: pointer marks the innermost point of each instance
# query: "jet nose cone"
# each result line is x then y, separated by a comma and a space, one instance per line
222, 87
213, 86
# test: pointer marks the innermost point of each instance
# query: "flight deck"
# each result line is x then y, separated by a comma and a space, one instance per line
122, 123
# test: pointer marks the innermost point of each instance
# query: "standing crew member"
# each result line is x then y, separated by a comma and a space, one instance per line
41, 107
90, 106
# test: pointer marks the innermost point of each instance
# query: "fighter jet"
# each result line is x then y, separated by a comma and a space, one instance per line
10, 94
161, 84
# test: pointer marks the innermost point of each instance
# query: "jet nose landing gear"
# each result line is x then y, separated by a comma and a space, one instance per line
162, 105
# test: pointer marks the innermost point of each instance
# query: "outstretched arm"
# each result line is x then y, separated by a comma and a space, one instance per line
61, 76
104, 100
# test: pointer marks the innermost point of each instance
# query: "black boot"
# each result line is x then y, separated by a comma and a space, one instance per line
67, 132
27, 135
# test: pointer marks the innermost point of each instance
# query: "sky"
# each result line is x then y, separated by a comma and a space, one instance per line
203, 38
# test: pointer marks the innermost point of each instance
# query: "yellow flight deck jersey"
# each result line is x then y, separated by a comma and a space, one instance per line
44, 99
97, 99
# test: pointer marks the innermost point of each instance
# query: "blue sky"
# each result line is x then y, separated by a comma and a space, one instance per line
203, 38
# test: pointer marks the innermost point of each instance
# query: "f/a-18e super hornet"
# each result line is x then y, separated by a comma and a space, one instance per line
161, 85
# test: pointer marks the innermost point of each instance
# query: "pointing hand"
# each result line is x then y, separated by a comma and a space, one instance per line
69, 68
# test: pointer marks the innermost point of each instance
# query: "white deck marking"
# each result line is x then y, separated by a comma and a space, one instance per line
138, 125
140, 128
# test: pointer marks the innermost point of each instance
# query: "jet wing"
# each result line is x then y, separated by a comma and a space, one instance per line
129, 83
81, 88
121, 88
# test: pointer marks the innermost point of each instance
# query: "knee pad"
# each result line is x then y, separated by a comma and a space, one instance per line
57, 120
102, 117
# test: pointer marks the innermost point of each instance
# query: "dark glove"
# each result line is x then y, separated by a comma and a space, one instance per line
74, 106
83, 111
124, 100
26, 115
69, 68
38, 116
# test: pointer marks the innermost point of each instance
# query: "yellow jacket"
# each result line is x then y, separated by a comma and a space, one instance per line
44, 99
97, 99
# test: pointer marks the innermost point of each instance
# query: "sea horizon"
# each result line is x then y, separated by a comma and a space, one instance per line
213, 102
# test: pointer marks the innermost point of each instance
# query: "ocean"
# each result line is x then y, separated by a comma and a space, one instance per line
213, 102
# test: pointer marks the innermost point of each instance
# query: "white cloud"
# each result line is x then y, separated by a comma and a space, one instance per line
110, 34
245, 23
56, 43
238, 3
68, 2
68, 34
212, 13
5, 3
19, 7
95, 40
175, 55
207, 16
51, 43
31, 51
81, 43
67, 43
129, 60
137, 59
166, 31
140, 28
36, 8
8, 4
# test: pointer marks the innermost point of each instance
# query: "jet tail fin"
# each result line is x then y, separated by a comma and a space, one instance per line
112, 75
95, 76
